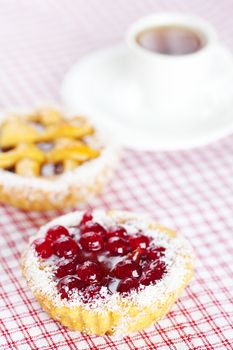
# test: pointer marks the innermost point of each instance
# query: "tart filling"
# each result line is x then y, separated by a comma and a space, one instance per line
45, 143
51, 160
100, 260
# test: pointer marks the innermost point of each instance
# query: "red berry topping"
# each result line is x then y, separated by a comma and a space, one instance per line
139, 240
93, 227
87, 216
65, 267
155, 253
65, 247
117, 231
107, 280
92, 256
89, 272
43, 248
127, 285
136, 255
126, 268
90, 293
92, 241
84, 259
117, 246
67, 284
56, 232
153, 272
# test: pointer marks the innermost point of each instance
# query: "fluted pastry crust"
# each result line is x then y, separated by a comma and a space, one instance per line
118, 315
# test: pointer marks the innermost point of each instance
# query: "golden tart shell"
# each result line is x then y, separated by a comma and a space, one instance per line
128, 316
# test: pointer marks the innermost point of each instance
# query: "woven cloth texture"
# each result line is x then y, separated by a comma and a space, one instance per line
191, 191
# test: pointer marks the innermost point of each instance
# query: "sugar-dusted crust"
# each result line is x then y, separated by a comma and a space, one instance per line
115, 315
62, 191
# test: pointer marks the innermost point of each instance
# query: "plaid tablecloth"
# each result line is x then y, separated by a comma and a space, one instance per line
191, 191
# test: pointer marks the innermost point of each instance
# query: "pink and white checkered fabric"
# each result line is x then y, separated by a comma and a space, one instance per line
190, 190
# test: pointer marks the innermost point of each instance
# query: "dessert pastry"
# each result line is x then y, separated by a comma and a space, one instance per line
48, 161
107, 272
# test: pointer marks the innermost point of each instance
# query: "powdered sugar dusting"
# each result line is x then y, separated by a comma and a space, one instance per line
178, 255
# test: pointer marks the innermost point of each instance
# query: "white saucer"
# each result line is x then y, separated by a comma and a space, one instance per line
102, 85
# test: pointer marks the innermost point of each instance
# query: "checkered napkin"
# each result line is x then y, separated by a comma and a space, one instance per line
191, 191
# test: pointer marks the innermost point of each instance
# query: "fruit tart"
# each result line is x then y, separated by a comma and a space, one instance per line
51, 161
107, 272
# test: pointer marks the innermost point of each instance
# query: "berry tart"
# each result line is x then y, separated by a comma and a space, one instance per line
51, 161
107, 272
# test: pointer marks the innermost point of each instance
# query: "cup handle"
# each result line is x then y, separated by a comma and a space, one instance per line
222, 63
218, 91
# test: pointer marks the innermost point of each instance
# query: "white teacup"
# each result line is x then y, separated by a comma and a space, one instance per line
172, 85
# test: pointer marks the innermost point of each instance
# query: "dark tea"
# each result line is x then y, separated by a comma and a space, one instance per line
170, 40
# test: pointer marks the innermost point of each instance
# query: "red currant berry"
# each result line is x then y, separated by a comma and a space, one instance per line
92, 241
66, 247
153, 272
65, 267
117, 246
106, 280
136, 255
139, 240
126, 268
87, 216
56, 232
67, 284
127, 285
92, 256
43, 248
89, 272
117, 231
155, 253
93, 227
